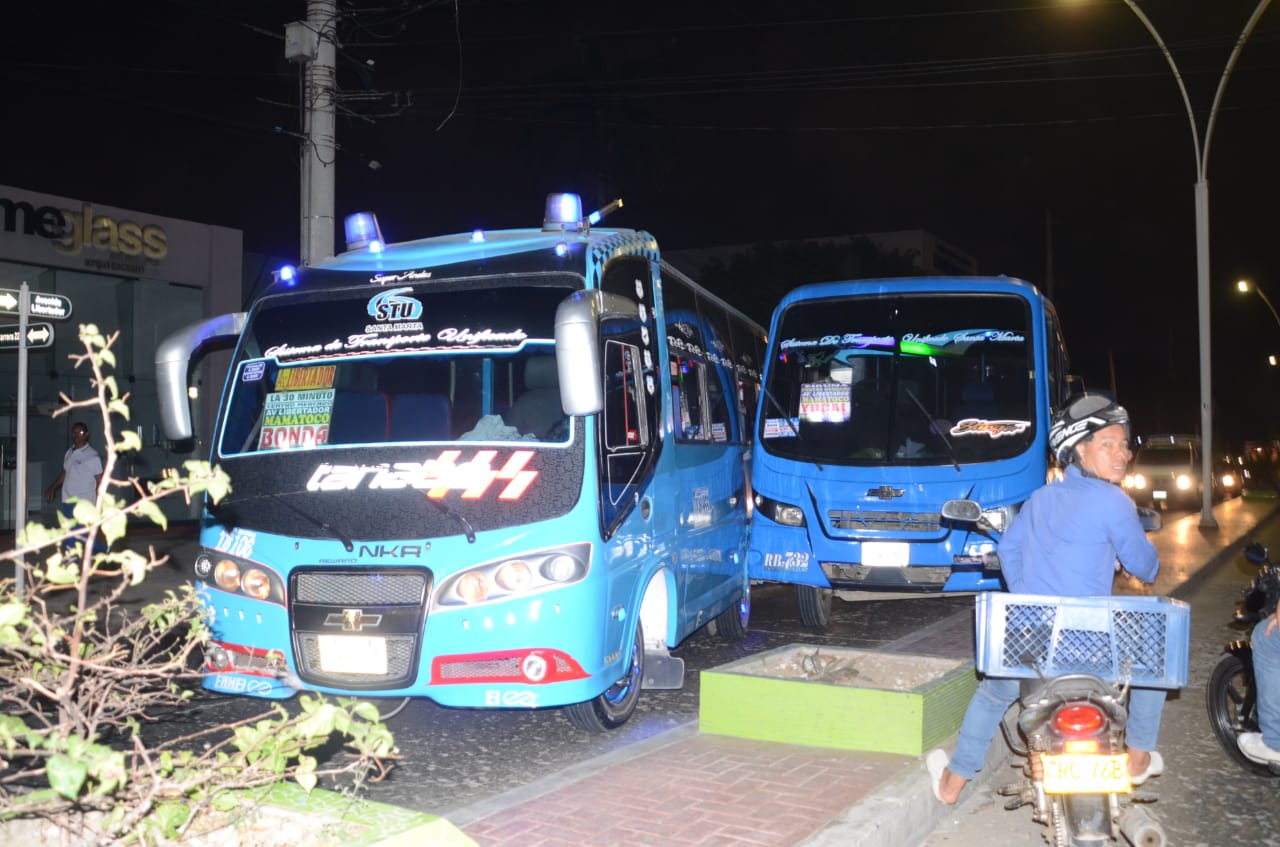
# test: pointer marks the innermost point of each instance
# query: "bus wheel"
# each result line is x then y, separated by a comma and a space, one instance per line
731, 624
615, 706
815, 605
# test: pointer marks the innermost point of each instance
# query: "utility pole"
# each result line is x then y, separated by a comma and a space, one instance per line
314, 43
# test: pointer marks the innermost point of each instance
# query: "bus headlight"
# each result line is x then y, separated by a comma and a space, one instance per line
779, 512
256, 584
238, 576
516, 576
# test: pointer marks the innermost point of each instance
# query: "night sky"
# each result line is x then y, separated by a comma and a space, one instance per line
990, 123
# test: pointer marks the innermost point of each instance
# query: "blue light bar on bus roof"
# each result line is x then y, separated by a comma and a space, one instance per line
564, 212
362, 231
287, 274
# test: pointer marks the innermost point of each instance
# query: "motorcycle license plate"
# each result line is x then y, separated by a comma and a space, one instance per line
1082, 773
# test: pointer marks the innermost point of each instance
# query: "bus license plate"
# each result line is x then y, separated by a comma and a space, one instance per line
1079, 773
884, 554
361, 654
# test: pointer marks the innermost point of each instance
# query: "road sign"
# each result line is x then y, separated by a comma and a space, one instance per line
38, 335
55, 307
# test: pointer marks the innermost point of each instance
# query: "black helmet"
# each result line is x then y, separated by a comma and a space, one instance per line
1081, 418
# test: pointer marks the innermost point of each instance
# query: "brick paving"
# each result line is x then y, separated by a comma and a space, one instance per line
705, 790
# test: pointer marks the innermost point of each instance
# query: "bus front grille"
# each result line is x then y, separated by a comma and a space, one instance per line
380, 604
851, 519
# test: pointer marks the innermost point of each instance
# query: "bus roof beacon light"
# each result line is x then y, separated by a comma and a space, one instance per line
564, 213
362, 231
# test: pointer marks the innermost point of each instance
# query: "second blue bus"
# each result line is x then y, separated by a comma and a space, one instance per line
882, 400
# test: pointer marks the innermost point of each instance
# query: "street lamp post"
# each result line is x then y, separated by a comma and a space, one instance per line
1207, 519
1244, 287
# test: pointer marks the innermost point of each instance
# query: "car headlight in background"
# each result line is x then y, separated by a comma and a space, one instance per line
1136, 481
1183, 482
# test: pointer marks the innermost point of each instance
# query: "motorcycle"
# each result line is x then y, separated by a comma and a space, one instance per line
1231, 695
1071, 732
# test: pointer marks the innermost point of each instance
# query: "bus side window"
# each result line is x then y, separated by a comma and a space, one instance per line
686, 399
625, 426
624, 429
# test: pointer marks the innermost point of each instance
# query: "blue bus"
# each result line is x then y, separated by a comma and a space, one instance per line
882, 400
496, 469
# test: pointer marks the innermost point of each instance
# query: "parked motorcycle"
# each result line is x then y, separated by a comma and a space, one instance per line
1231, 696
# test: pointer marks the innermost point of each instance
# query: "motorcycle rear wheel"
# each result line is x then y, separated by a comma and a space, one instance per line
1232, 703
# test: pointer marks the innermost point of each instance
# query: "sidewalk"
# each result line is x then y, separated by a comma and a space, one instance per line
691, 788
686, 787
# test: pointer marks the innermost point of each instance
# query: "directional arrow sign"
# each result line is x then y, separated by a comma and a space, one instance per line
38, 335
52, 306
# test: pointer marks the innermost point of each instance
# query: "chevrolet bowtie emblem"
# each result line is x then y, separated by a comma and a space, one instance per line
353, 620
886, 492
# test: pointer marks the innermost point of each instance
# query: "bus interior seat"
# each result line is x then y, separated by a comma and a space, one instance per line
420, 417
538, 409
358, 417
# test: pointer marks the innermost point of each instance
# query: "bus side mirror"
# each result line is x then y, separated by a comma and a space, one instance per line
578, 320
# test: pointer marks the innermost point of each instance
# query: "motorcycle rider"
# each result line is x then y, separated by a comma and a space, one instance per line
1069, 539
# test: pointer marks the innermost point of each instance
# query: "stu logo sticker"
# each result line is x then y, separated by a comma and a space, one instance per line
394, 306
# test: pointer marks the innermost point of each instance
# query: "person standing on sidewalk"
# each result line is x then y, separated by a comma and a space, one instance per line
1068, 540
81, 472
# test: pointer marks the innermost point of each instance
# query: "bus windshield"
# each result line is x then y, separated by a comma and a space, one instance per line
901, 379
405, 392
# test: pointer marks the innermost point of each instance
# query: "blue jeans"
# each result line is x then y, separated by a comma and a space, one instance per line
994, 697
1266, 671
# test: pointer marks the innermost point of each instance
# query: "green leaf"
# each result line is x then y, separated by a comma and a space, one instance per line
114, 525
151, 510
66, 776
128, 436
109, 382
133, 565
306, 773
86, 512
12, 613
61, 571
366, 710
107, 356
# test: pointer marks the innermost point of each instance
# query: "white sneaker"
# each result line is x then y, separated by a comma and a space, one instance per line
1252, 745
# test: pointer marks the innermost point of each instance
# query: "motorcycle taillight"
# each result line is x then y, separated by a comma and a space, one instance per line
1079, 719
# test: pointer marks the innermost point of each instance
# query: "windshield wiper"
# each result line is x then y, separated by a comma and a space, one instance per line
230, 517
457, 516
769, 396
933, 426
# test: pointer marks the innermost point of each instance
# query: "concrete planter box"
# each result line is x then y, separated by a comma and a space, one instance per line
283, 815
838, 697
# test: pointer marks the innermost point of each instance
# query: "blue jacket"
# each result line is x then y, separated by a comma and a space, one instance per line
1068, 535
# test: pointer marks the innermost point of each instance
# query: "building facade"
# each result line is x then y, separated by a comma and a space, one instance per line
130, 272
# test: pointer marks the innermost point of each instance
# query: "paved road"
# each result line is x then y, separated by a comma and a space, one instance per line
1204, 798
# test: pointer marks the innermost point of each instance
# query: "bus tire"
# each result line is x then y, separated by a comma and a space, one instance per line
731, 624
617, 703
815, 605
